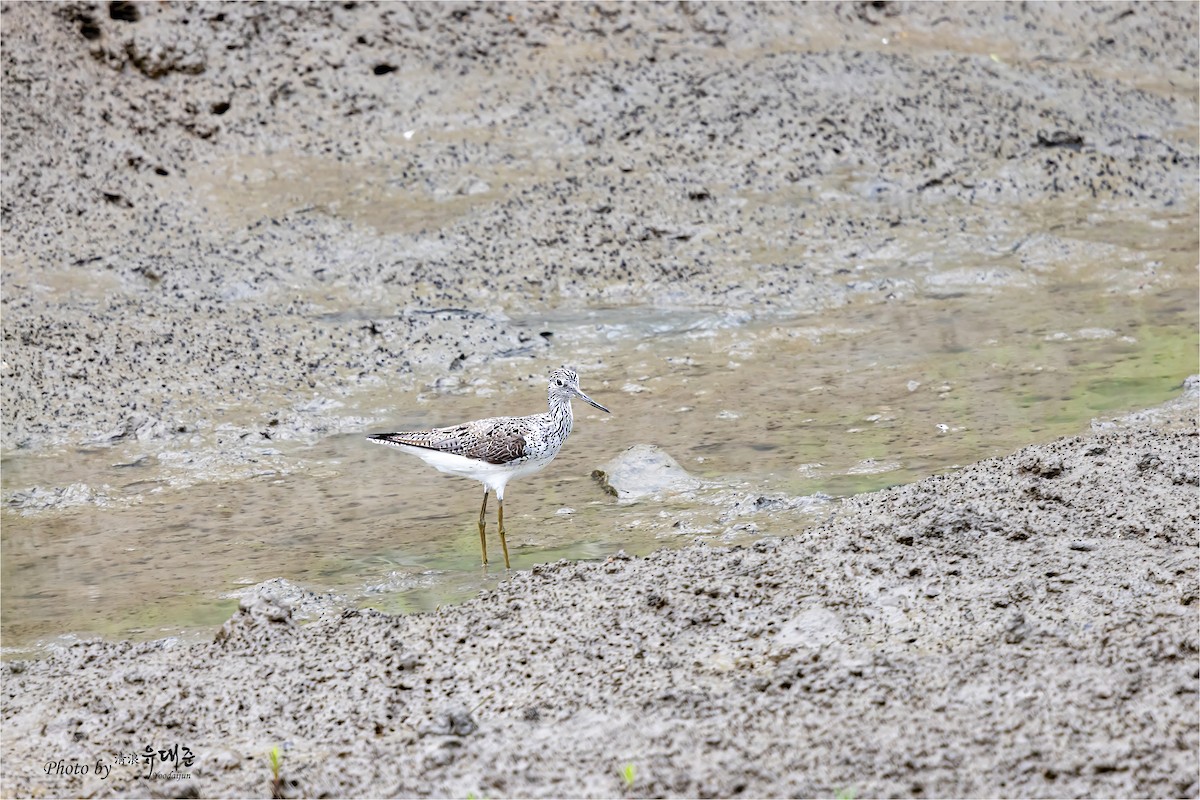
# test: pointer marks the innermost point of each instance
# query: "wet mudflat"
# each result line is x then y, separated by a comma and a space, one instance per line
810, 252
818, 406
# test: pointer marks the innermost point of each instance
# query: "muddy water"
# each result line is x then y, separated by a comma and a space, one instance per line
847, 401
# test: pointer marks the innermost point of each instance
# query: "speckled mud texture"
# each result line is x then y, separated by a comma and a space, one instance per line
1024, 627
223, 217
158, 266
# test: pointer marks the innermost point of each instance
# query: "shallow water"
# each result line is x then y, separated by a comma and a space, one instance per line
850, 400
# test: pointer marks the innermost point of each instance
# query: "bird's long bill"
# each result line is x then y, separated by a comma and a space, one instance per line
591, 402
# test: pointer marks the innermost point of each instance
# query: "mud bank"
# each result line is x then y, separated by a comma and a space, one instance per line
1026, 626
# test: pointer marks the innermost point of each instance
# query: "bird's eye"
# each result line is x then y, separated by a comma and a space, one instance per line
559, 383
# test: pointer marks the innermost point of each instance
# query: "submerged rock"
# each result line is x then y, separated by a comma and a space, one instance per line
303, 604
756, 503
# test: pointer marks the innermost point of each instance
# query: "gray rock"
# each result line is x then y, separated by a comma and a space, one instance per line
260, 614
303, 604
644, 470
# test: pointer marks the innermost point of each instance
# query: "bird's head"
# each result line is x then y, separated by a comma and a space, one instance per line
564, 383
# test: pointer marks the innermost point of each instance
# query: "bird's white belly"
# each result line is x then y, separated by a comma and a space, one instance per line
493, 476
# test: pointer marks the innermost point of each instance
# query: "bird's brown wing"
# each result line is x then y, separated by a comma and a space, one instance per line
496, 441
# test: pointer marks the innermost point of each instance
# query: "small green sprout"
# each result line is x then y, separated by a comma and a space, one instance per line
629, 773
276, 759
846, 793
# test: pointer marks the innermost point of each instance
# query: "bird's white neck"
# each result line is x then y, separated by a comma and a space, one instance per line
560, 411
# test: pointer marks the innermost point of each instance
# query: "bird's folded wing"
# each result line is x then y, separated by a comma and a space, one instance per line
496, 441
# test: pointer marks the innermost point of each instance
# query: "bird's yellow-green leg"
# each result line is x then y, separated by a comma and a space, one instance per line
482, 524
503, 541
